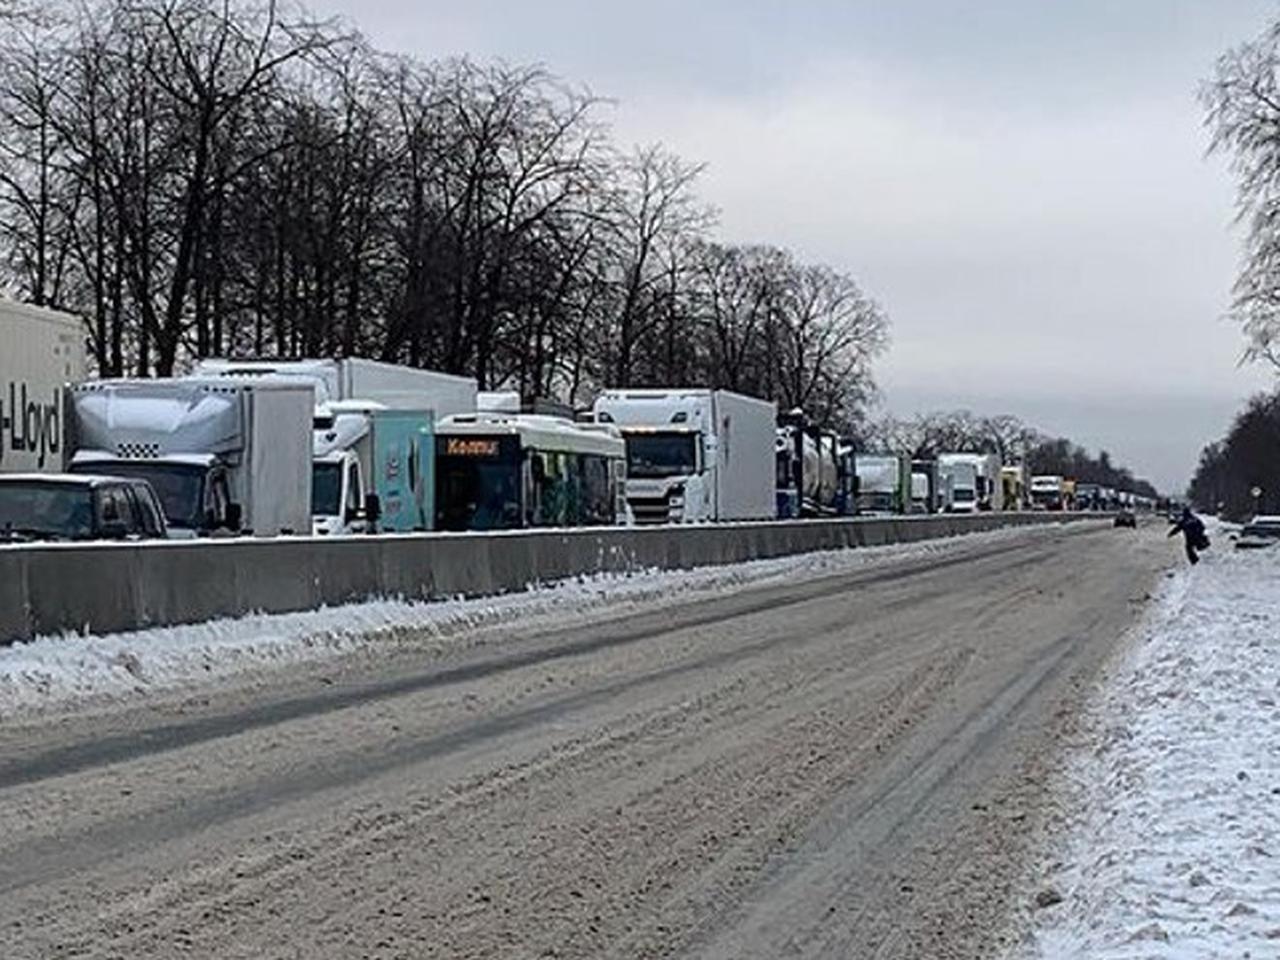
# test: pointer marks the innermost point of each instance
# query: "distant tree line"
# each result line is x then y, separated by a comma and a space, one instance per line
1247, 458
202, 178
927, 435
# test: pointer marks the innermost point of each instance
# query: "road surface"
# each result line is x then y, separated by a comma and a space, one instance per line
846, 767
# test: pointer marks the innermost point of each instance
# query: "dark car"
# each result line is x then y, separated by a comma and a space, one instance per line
1258, 533
1125, 518
65, 507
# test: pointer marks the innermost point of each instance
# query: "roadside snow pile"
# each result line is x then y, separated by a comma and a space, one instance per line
57, 673
1175, 851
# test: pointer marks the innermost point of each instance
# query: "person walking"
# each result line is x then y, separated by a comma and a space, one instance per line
1192, 529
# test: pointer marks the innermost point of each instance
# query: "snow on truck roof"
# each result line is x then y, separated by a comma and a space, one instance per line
16, 309
63, 479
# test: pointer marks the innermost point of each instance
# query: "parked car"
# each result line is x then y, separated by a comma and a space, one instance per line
1125, 518
1259, 532
35, 507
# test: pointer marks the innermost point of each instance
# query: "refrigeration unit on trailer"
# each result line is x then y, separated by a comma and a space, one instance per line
884, 484
975, 481
815, 459
41, 352
348, 393
223, 455
506, 471
695, 455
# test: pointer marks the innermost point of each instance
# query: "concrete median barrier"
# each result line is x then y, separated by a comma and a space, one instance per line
104, 588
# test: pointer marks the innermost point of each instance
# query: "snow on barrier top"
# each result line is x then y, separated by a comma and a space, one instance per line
49, 589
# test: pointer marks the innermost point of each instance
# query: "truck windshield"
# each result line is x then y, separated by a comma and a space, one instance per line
478, 483
662, 454
326, 489
38, 510
180, 486
962, 495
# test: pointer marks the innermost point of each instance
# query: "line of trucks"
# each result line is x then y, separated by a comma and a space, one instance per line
350, 446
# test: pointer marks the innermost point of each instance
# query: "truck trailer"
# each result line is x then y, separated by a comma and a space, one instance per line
695, 455
884, 484
814, 457
41, 352
223, 455
356, 459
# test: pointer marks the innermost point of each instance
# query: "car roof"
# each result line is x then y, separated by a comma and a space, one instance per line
62, 479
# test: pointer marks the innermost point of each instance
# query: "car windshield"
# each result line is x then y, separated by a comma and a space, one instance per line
39, 510
179, 486
661, 454
326, 489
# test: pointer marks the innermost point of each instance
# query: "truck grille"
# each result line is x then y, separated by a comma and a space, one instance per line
650, 510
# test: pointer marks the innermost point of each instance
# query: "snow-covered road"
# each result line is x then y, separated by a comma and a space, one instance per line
1168, 840
68, 673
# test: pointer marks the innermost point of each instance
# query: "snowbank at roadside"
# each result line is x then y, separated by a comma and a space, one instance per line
59, 673
1173, 846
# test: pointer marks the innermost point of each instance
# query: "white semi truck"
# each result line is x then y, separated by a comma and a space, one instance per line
695, 455
222, 455
41, 351
975, 481
1049, 492
374, 462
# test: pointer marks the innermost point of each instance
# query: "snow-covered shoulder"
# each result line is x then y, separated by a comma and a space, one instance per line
1172, 843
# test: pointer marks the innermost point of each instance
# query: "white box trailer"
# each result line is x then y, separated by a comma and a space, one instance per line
348, 393
41, 351
394, 387
222, 454
695, 454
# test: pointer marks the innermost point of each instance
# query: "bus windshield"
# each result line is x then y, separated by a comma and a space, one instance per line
661, 454
478, 483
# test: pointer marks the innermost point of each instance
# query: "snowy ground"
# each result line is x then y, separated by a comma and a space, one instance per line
57, 674
1168, 840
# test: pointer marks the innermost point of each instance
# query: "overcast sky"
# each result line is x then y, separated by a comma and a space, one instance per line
1022, 184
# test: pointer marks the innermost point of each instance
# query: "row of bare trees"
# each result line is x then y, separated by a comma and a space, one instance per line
926, 435
228, 177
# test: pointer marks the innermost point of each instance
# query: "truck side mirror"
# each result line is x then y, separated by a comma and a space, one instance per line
372, 508
235, 517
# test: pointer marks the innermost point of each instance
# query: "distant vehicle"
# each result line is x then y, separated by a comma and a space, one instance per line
41, 351
929, 492
884, 484
1049, 492
1013, 486
1258, 533
507, 471
51, 506
695, 455
1125, 518
821, 470
222, 455
975, 481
